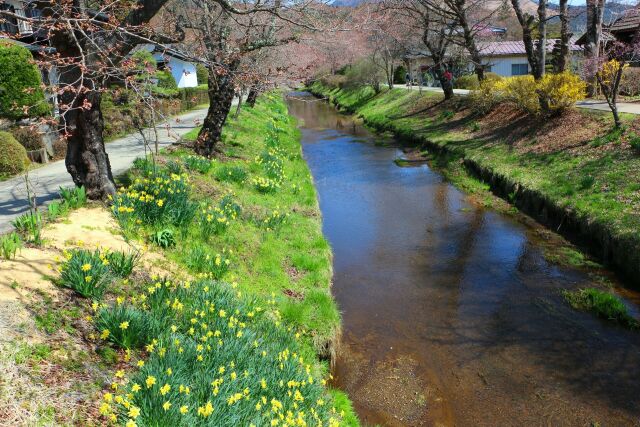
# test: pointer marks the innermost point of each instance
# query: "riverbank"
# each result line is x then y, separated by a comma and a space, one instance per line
167, 339
571, 173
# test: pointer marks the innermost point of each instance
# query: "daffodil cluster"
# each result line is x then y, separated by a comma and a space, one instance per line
214, 358
197, 163
161, 198
274, 220
213, 220
88, 273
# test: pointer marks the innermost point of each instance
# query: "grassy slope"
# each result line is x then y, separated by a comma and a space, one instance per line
603, 185
296, 257
291, 265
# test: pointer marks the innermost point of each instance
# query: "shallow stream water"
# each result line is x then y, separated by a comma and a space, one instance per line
451, 313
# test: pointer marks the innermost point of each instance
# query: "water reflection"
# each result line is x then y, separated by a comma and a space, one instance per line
451, 313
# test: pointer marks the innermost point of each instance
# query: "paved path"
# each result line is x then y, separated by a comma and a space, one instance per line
590, 104
48, 179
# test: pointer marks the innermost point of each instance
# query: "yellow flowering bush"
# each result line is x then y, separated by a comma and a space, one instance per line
485, 97
522, 91
561, 90
219, 360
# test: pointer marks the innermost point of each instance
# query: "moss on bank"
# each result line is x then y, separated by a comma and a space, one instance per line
590, 187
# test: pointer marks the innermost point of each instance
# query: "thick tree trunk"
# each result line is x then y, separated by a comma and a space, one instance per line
252, 97
563, 57
87, 161
221, 93
445, 83
541, 48
595, 10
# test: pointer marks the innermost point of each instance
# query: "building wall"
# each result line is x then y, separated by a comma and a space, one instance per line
502, 65
183, 72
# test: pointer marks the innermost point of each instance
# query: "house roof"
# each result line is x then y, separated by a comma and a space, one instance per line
33, 47
605, 37
511, 48
629, 21
164, 51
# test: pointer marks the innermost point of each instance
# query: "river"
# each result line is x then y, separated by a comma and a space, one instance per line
451, 313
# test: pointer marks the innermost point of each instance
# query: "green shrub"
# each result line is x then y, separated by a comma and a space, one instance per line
470, 81
231, 174
166, 80
203, 74
634, 142
86, 272
164, 238
124, 326
602, 304
13, 156
29, 138
21, 94
122, 264
400, 75
56, 209
30, 226
198, 163
10, 244
75, 197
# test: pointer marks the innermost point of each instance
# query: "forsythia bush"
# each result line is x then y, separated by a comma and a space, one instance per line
561, 90
485, 97
522, 91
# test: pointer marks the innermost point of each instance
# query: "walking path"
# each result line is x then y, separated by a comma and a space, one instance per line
589, 104
47, 180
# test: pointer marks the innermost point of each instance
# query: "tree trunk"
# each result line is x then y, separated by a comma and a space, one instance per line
87, 161
252, 97
563, 57
239, 107
595, 10
541, 48
469, 39
526, 23
445, 83
221, 93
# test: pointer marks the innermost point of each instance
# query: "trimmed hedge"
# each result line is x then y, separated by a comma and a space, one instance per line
20, 84
13, 156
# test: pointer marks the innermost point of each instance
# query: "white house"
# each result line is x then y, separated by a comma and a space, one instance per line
509, 58
505, 58
183, 71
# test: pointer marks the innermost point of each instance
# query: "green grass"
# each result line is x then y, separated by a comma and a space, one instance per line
270, 249
602, 304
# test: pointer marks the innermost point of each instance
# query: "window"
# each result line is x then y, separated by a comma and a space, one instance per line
488, 68
519, 69
8, 24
